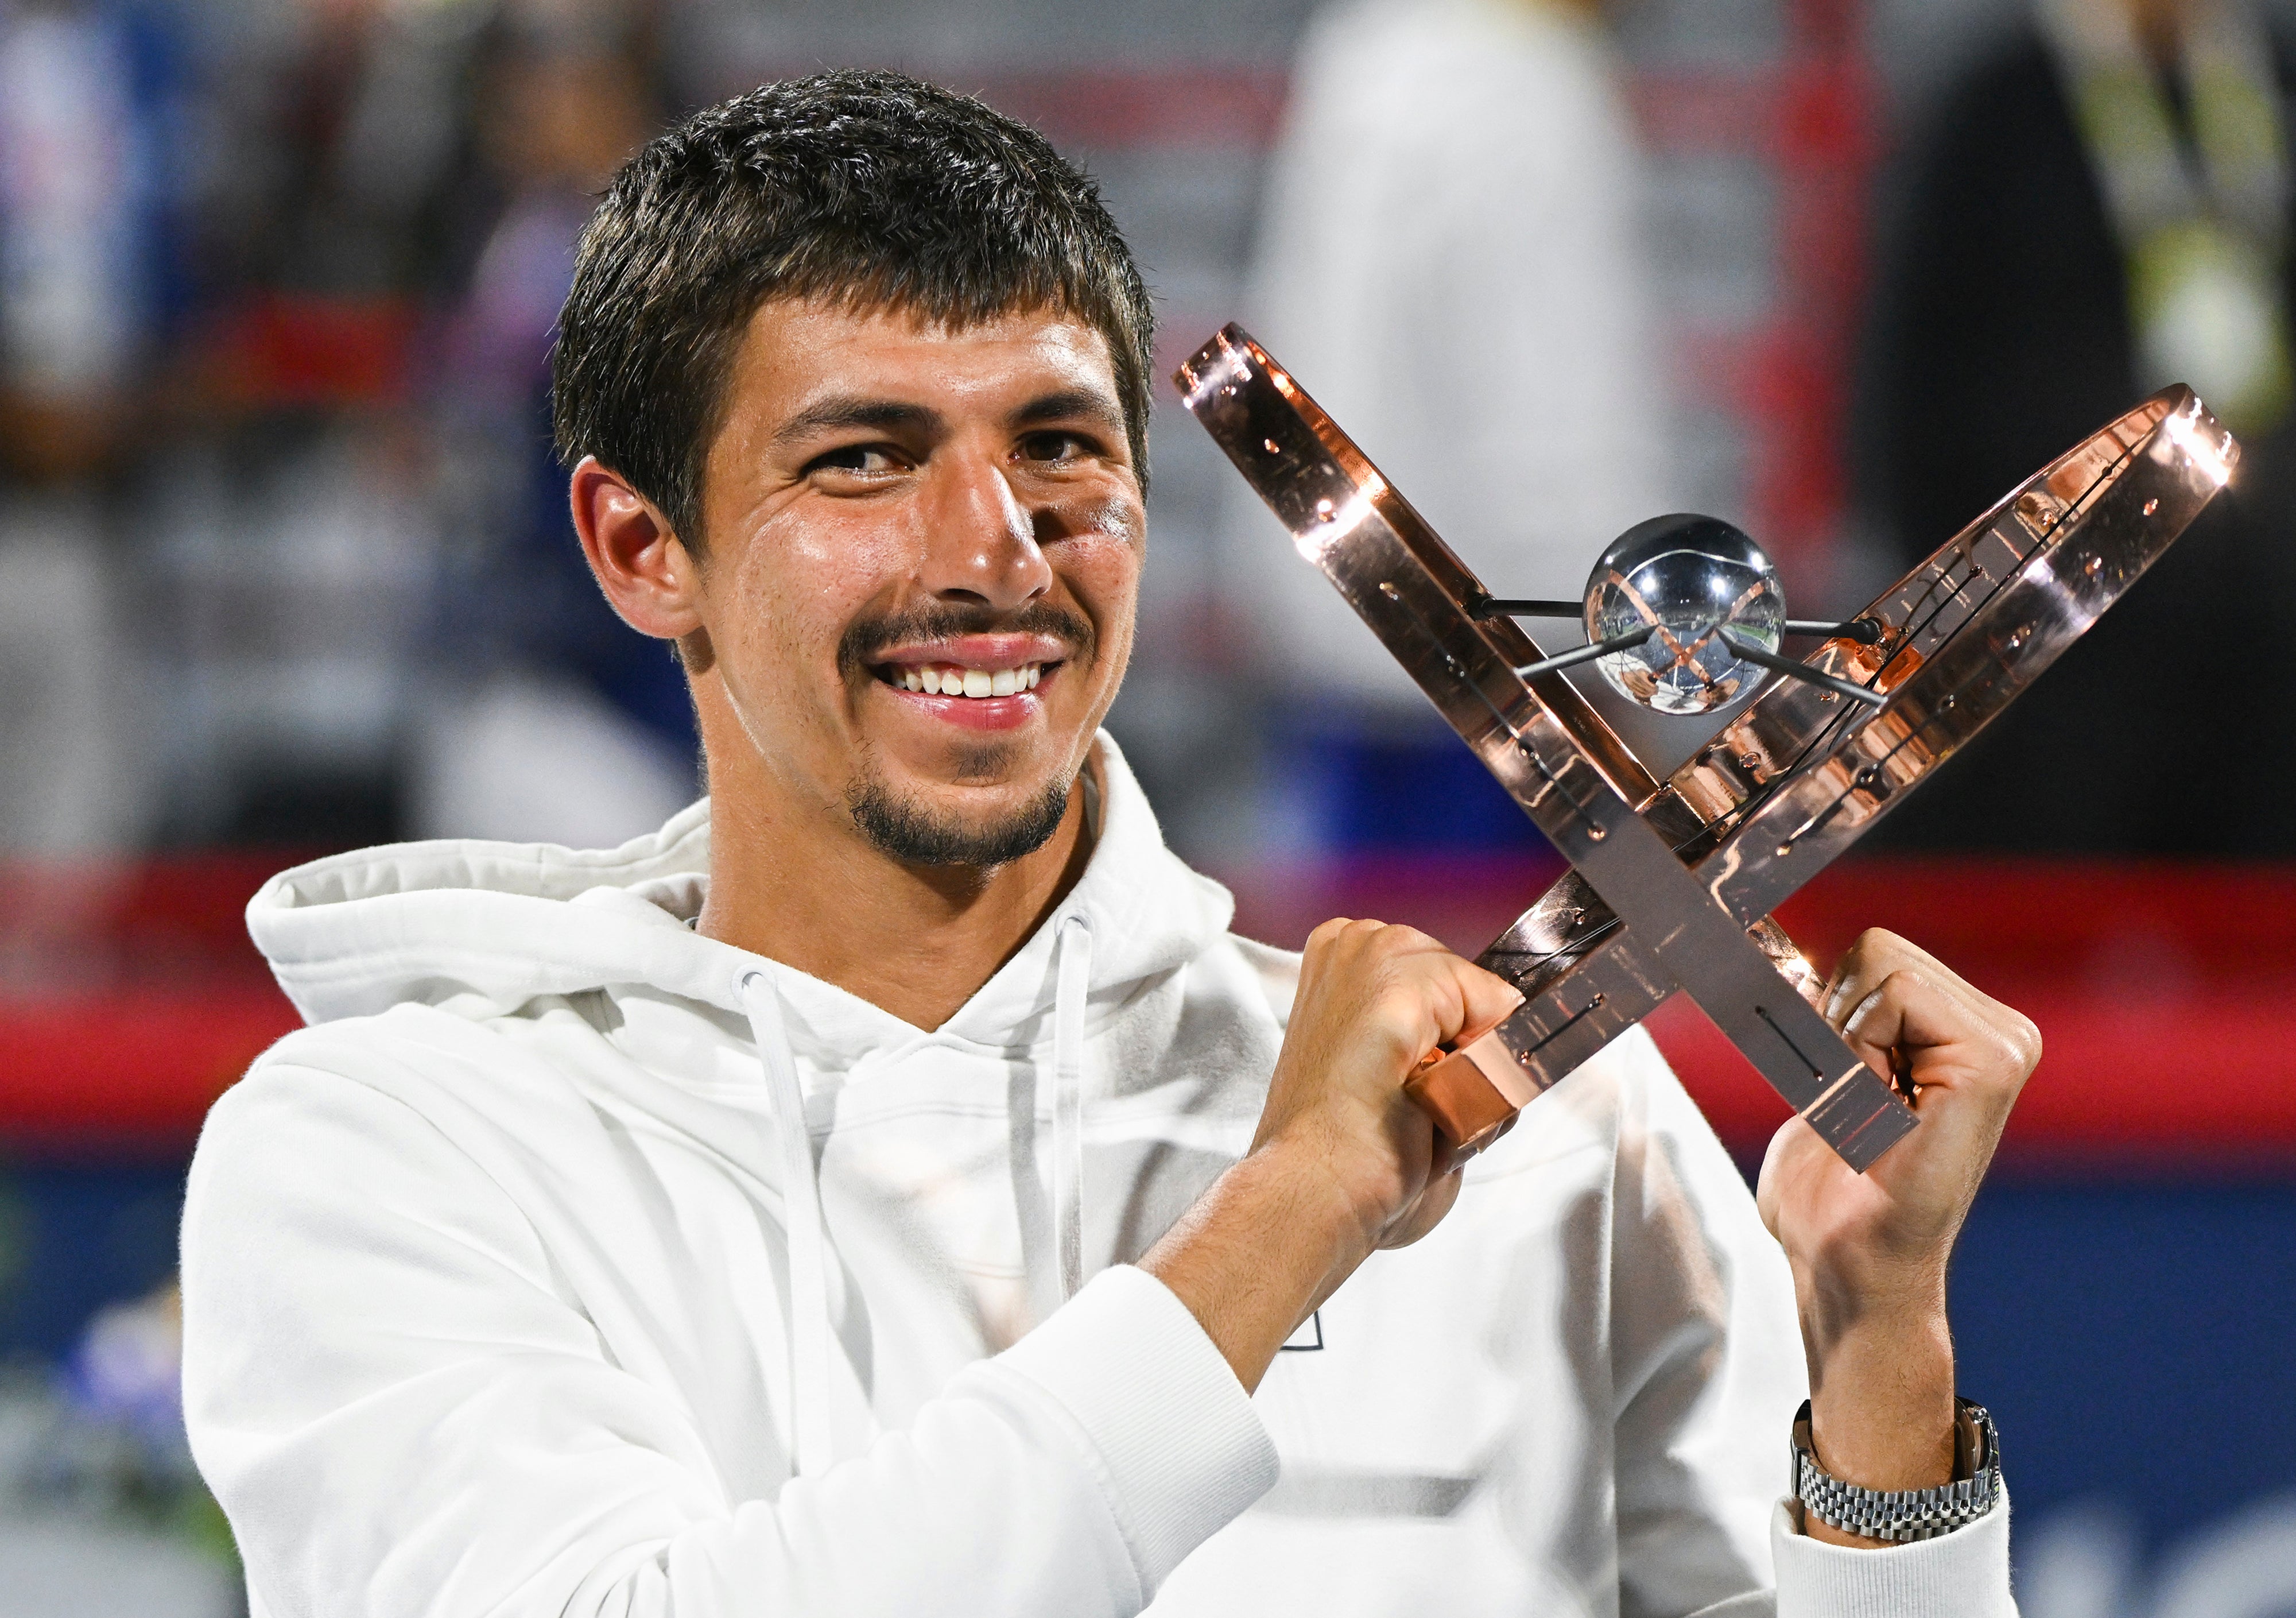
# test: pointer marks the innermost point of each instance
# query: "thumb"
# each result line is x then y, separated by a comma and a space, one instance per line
1486, 998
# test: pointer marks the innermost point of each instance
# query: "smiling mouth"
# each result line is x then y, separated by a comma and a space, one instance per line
962, 680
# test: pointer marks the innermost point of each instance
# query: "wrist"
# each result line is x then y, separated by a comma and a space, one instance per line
1323, 1209
1849, 1515
1856, 1315
1259, 1252
1880, 1372
1882, 1401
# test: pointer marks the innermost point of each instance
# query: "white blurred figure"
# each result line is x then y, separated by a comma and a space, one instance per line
526, 758
73, 314
2080, 1561
2086, 1560
75, 311
1452, 264
2244, 1566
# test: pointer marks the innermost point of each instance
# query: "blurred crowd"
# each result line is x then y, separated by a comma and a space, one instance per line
283, 556
281, 545
2095, 204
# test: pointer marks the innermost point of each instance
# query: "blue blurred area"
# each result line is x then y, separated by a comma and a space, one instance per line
1356, 792
75, 1238
2134, 1341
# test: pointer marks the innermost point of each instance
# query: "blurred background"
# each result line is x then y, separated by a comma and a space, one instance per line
284, 570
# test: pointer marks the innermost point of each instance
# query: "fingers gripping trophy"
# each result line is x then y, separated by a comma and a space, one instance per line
1673, 882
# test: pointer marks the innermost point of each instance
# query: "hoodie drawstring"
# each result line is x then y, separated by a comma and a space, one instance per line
811, 1339
808, 1245
1068, 1000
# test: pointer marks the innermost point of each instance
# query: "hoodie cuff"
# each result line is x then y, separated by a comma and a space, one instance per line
1964, 1575
1181, 1450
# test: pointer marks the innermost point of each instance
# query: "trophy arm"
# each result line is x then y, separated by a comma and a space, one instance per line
1792, 782
1347, 519
1584, 982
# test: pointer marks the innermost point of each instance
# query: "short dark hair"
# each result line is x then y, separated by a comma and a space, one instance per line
871, 189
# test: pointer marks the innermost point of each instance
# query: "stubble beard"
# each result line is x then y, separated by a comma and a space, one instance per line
905, 828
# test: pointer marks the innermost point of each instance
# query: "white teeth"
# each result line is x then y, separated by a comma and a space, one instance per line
971, 682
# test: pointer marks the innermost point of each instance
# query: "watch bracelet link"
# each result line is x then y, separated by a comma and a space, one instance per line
1904, 1515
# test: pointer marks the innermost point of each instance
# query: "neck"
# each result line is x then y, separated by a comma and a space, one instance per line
800, 883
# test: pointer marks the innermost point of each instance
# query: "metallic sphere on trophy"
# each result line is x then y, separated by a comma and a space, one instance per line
1684, 614
1683, 598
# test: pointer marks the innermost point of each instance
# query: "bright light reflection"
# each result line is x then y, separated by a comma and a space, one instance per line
1336, 523
2209, 457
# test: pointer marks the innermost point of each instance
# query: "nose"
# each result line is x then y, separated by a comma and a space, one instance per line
980, 547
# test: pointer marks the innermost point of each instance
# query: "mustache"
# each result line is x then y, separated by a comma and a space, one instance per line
865, 637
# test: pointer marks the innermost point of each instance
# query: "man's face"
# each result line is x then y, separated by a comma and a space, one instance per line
923, 552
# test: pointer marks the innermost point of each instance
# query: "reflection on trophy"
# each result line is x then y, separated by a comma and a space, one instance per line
1673, 882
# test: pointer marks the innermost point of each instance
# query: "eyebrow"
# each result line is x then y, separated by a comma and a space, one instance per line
841, 413
845, 413
1071, 404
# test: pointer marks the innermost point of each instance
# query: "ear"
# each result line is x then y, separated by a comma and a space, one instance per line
639, 562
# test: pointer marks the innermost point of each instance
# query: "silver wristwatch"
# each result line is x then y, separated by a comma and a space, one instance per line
1906, 1514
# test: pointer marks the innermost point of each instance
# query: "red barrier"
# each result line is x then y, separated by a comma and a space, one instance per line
130, 998
135, 1070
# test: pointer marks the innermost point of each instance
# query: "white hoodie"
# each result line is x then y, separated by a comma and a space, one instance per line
512, 1287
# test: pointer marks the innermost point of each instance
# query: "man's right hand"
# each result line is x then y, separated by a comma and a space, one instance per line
1341, 1164
1373, 1001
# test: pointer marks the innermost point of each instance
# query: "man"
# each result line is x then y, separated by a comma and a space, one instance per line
888, 1188
2098, 205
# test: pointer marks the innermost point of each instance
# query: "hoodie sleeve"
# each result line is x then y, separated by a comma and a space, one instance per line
1709, 1369
403, 1414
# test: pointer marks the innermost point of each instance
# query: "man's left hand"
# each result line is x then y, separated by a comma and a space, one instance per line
1869, 1251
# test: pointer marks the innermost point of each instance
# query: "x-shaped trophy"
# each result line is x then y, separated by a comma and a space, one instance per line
1672, 883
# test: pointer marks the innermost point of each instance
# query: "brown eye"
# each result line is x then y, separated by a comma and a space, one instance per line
863, 460
1057, 448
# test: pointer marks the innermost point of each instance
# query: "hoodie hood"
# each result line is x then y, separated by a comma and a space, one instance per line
479, 928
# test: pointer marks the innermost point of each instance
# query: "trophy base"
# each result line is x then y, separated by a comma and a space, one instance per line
1473, 1093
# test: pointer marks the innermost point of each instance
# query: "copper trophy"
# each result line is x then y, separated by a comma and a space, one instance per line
1673, 882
